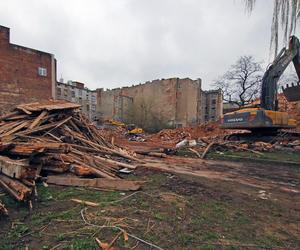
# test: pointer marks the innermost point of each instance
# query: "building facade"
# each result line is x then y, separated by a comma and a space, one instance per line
180, 102
26, 75
76, 92
211, 105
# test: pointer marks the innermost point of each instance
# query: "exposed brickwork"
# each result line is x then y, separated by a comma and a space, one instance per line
19, 78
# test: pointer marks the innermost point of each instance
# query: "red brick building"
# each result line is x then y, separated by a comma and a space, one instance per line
26, 75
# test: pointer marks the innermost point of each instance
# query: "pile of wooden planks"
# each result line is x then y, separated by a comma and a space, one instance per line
53, 138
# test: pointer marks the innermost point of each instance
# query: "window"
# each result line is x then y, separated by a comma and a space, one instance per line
65, 92
58, 91
42, 71
80, 92
73, 93
87, 108
93, 107
214, 101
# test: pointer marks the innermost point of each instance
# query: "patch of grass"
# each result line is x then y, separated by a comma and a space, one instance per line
280, 156
210, 235
67, 193
85, 243
185, 239
207, 247
157, 180
270, 240
13, 236
241, 219
159, 217
39, 219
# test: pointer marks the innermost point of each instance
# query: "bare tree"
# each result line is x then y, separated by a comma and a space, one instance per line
242, 82
285, 16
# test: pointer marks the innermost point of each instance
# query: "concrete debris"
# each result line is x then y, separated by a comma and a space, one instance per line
52, 138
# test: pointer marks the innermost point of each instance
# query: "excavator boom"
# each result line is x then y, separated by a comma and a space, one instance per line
268, 99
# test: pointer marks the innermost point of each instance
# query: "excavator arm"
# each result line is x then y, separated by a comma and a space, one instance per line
274, 72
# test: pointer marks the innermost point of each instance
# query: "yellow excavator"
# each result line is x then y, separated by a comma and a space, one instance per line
265, 118
132, 129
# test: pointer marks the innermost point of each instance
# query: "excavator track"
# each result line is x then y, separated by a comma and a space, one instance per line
282, 135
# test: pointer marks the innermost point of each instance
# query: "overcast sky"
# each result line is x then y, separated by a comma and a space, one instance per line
113, 43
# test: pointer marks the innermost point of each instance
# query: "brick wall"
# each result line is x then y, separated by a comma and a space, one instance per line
180, 101
19, 78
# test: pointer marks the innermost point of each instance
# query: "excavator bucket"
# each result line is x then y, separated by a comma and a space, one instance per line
292, 93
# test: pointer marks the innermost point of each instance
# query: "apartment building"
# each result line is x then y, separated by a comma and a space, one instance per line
76, 92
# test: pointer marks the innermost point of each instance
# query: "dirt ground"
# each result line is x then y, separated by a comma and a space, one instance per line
185, 203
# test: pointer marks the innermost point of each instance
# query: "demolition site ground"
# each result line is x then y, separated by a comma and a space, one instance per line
185, 203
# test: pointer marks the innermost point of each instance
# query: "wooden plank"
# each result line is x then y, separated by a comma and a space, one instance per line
59, 124
115, 163
3, 210
207, 149
38, 129
38, 119
23, 148
25, 110
15, 188
15, 169
48, 105
16, 129
3, 117
123, 185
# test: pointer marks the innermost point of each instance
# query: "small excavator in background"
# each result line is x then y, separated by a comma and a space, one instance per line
265, 118
132, 129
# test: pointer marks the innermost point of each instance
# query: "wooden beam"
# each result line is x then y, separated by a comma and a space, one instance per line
38, 119
123, 185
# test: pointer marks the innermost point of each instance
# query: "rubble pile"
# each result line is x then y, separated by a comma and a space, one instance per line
293, 109
53, 141
202, 147
113, 132
206, 131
